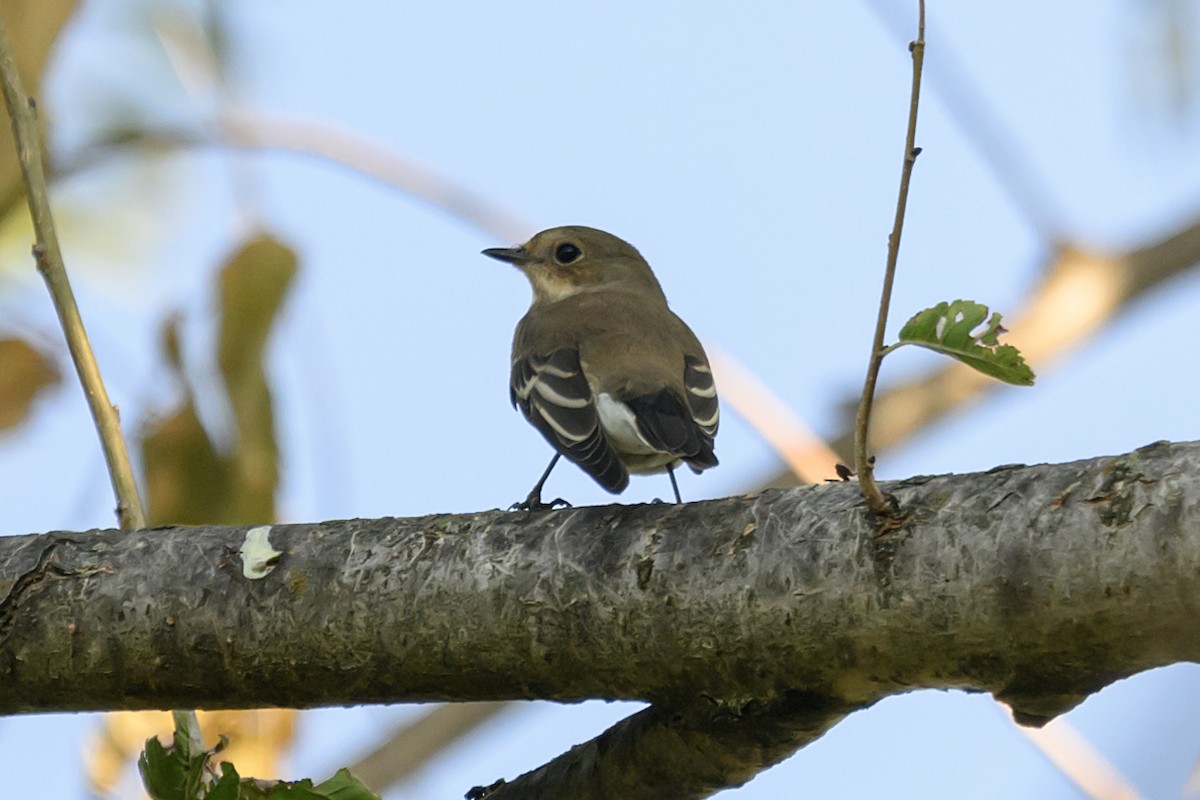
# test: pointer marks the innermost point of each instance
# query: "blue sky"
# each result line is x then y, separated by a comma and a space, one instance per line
752, 154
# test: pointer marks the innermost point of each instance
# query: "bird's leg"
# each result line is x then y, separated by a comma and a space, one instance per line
533, 502
674, 485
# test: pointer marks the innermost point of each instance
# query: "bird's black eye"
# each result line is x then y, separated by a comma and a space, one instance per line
566, 252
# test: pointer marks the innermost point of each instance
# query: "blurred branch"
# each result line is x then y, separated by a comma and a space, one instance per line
1081, 764
1192, 787
409, 748
807, 456
257, 131
252, 131
195, 41
50, 264
1160, 56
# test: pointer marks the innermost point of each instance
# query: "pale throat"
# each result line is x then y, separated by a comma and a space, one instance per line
551, 289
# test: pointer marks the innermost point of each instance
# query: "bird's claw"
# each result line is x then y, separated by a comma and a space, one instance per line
534, 503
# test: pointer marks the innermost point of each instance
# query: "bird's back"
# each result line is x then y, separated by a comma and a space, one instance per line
647, 372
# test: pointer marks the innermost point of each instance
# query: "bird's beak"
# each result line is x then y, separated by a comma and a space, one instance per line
513, 255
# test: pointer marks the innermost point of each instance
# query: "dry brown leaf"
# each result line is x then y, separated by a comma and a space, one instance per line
33, 26
24, 373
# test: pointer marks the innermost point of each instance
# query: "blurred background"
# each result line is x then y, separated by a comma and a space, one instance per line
272, 214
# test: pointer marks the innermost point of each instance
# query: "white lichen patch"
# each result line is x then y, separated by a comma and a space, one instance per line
258, 557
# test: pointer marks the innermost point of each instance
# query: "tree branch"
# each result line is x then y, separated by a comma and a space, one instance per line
1039, 584
679, 753
753, 624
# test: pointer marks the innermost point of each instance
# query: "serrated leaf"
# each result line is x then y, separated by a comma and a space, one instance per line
294, 790
169, 773
173, 773
162, 773
228, 786
342, 786
963, 330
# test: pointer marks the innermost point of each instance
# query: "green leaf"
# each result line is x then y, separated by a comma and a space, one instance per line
344, 786
173, 774
170, 773
963, 330
293, 790
162, 773
228, 786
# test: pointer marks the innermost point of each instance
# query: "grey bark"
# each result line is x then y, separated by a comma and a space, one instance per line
752, 622
678, 752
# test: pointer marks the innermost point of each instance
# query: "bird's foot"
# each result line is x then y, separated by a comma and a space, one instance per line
534, 503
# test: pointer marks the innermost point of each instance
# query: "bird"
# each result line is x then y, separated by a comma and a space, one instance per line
602, 367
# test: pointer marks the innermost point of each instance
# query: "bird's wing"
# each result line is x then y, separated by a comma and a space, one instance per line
671, 424
553, 394
665, 422
702, 394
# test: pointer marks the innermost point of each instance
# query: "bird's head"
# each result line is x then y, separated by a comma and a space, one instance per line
561, 262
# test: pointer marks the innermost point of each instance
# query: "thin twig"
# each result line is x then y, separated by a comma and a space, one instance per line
866, 475
984, 128
22, 111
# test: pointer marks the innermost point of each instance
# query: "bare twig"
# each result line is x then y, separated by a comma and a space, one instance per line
983, 126
21, 110
866, 476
